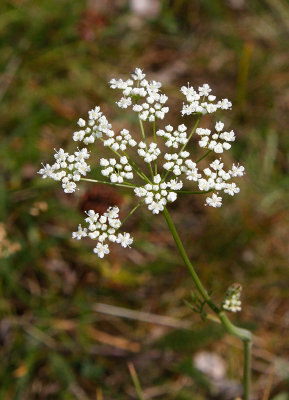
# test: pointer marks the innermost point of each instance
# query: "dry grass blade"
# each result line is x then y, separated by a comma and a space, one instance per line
141, 316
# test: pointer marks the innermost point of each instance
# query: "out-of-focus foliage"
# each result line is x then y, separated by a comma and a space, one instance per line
56, 58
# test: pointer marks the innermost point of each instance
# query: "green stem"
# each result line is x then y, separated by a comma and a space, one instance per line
131, 212
241, 333
247, 368
205, 155
155, 140
142, 129
192, 191
124, 184
144, 139
191, 134
134, 164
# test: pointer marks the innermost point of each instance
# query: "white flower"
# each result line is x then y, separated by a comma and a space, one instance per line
157, 195
150, 153
96, 127
218, 141
68, 168
138, 75
47, 171
174, 138
116, 171
231, 189
214, 201
124, 239
238, 170
101, 249
81, 232
196, 101
103, 229
69, 187
124, 102
81, 122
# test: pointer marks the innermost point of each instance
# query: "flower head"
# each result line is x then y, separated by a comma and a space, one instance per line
156, 166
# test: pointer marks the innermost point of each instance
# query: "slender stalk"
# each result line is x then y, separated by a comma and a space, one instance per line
241, 333
144, 139
142, 129
134, 164
247, 369
205, 155
131, 212
191, 134
192, 191
189, 265
124, 184
155, 140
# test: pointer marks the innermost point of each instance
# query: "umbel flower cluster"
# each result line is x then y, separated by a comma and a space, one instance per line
103, 229
156, 163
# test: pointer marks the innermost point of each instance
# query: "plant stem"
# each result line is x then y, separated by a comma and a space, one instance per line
127, 185
144, 139
193, 192
205, 155
191, 134
155, 140
247, 368
131, 212
241, 333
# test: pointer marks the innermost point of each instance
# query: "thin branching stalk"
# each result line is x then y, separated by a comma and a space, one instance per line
242, 334
204, 156
124, 184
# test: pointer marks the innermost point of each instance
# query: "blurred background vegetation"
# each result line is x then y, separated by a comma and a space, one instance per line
55, 60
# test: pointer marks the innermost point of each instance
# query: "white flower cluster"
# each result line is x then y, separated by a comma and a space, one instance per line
217, 180
174, 138
121, 141
232, 301
95, 128
116, 171
211, 142
177, 164
103, 228
68, 168
158, 188
159, 193
149, 153
140, 89
201, 101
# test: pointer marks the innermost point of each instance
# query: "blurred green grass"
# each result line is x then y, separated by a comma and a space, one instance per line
55, 61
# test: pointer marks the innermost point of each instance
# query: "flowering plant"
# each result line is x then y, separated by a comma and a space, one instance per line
157, 168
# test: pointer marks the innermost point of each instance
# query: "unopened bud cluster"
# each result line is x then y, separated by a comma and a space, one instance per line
232, 301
